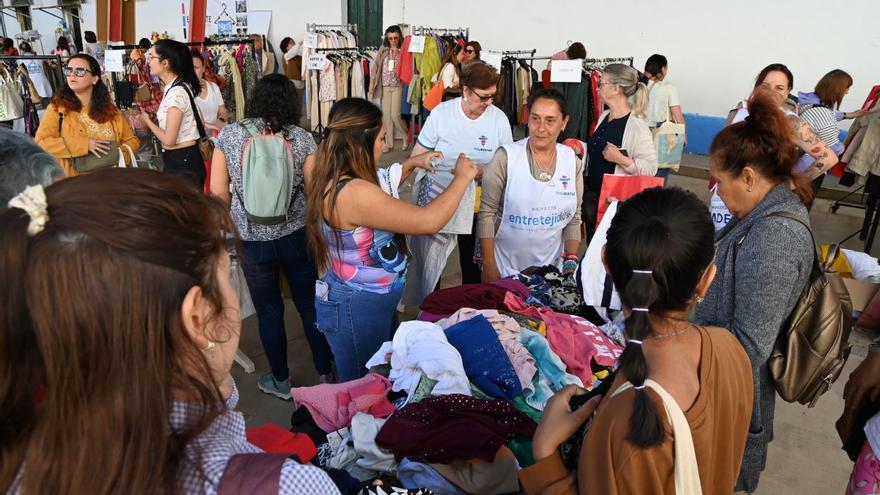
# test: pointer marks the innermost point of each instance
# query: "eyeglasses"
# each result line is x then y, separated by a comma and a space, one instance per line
469, 51
483, 98
603, 83
76, 71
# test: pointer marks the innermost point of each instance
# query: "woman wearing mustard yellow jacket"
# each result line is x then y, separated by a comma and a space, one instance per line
82, 119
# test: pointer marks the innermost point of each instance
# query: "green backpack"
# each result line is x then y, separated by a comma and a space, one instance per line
269, 179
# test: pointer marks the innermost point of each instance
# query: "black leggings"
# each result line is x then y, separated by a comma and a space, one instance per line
471, 272
186, 162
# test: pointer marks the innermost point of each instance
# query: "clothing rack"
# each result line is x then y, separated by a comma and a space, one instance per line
422, 30
592, 62
318, 130
507, 53
122, 47
56, 58
314, 28
241, 41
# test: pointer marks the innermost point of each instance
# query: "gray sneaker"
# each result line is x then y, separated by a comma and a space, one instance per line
268, 384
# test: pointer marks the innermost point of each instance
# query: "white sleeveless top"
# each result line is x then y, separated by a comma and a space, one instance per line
535, 212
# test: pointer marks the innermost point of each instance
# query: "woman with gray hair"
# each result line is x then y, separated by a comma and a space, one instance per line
622, 143
23, 163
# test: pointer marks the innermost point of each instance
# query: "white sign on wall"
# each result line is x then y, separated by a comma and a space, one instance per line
227, 17
566, 71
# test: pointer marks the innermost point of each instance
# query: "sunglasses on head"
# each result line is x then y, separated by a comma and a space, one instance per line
76, 71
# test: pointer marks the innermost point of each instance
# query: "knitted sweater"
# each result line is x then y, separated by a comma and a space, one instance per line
753, 294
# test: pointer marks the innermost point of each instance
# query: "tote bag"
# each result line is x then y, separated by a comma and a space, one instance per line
434, 96
623, 187
669, 142
11, 101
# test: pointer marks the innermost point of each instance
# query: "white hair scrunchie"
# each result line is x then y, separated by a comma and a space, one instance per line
33, 201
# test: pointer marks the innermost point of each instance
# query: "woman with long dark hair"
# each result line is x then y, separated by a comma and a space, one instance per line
177, 130
137, 328
81, 119
267, 249
356, 230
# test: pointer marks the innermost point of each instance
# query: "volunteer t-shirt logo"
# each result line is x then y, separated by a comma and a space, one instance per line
565, 180
483, 140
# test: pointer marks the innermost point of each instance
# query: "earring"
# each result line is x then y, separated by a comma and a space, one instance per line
749, 189
211, 346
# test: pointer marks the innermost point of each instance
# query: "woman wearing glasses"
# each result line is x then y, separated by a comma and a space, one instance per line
472, 51
177, 130
385, 83
471, 125
81, 119
622, 143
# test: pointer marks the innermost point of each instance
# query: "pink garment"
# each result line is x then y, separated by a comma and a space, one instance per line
577, 341
514, 286
560, 55
333, 405
508, 333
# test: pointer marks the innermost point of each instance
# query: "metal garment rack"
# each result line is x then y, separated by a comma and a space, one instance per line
509, 53
416, 119
56, 58
315, 28
318, 130
590, 62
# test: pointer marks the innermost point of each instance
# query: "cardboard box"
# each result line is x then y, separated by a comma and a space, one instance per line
860, 292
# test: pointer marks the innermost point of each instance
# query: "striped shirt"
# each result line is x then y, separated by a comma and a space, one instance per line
823, 121
224, 438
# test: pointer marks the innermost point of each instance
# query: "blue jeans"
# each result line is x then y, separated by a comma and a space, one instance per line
664, 172
355, 322
260, 262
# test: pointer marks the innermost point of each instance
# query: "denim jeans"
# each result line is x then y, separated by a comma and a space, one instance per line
355, 322
260, 262
664, 173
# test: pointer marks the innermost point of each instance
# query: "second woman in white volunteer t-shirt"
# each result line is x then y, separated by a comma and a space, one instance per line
532, 191
472, 125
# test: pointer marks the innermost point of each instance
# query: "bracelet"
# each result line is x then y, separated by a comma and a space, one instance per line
569, 265
570, 256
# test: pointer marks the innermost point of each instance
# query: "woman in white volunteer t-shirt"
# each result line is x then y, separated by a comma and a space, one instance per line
532, 192
209, 99
471, 125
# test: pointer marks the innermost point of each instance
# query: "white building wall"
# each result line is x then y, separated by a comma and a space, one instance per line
715, 49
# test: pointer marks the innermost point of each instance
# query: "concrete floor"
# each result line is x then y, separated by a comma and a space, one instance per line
805, 456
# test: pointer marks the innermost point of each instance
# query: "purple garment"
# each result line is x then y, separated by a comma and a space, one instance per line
429, 317
447, 428
514, 286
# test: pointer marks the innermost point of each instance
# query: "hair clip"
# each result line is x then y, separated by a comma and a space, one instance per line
641, 310
634, 341
33, 201
640, 387
644, 272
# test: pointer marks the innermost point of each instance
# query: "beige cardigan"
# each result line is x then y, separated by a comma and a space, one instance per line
639, 144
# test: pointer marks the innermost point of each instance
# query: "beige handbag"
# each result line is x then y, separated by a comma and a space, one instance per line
687, 473
668, 141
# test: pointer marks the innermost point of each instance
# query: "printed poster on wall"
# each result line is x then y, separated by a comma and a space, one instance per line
226, 17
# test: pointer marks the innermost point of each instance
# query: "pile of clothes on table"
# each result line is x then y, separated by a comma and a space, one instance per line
452, 402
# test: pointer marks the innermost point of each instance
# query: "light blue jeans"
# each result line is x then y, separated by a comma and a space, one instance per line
355, 322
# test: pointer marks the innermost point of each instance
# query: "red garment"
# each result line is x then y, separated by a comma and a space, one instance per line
577, 341
455, 427
333, 405
597, 102
276, 440
545, 78
405, 67
476, 296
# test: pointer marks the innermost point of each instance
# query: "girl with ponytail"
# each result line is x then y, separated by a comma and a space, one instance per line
659, 253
